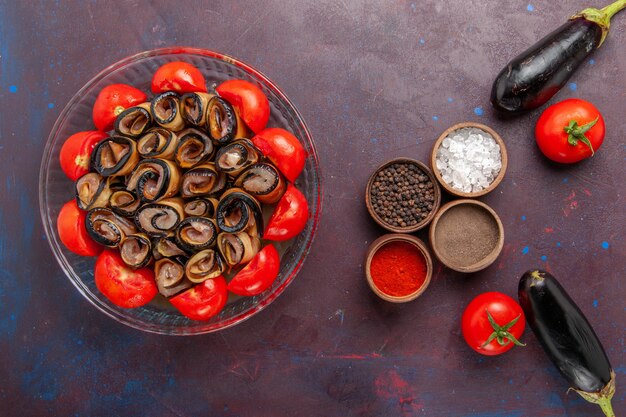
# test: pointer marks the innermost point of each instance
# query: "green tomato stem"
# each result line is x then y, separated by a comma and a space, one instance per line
501, 333
576, 133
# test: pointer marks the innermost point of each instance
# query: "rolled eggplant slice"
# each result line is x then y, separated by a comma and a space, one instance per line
115, 156
202, 180
158, 142
238, 248
134, 121
194, 147
204, 265
223, 122
136, 250
234, 157
196, 233
158, 219
124, 203
165, 110
166, 247
201, 207
169, 274
194, 108
154, 179
107, 228
238, 211
92, 190
263, 181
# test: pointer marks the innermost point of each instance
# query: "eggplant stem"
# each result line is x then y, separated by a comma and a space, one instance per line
603, 397
601, 17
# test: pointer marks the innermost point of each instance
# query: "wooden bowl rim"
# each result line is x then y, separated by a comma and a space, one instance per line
503, 154
436, 202
391, 237
483, 263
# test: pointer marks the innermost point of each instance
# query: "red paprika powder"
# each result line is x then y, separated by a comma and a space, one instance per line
398, 268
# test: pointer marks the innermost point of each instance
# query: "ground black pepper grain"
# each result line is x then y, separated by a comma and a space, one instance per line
402, 195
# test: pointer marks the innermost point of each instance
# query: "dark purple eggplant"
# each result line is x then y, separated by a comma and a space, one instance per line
537, 74
567, 337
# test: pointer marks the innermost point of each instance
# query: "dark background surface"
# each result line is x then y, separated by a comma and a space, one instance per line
374, 80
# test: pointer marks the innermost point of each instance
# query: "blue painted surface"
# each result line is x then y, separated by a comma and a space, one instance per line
478, 111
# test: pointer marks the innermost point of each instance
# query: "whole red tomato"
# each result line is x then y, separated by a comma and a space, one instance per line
202, 301
76, 151
289, 216
178, 76
283, 149
492, 323
249, 102
112, 100
123, 286
258, 275
570, 131
73, 232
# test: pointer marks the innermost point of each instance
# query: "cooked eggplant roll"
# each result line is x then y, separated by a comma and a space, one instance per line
166, 247
238, 211
136, 250
158, 142
204, 265
165, 110
196, 233
202, 180
134, 121
234, 157
169, 274
92, 190
263, 181
124, 203
154, 179
238, 248
194, 107
107, 228
224, 124
201, 207
115, 156
158, 219
194, 147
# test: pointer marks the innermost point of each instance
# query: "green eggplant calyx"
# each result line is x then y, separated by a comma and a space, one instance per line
576, 133
501, 333
601, 17
603, 397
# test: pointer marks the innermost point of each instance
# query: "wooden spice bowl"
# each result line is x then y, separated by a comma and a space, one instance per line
398, 237
503, 155
466, 235
431, 214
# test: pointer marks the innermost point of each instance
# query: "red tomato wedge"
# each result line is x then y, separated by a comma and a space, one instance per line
76, 151
111, 101
72, 230
249, 102
258, 275
123, 286
283, 149
289, 217
178, 76
203, 301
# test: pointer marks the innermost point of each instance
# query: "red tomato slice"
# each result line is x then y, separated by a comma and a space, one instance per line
283, 149
112, 100
76, 151
249, 102
258, 275
202, 301
72, 230
178, 76
289, 217
123, 286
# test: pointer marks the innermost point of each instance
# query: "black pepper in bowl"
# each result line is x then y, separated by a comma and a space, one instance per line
402, 195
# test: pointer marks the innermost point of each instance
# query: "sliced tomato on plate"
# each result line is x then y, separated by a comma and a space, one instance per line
289, 216
76, 151
122, 285
73, 232
249, 102
283, 149
178, 76
258, 275
111, 101
204, 300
